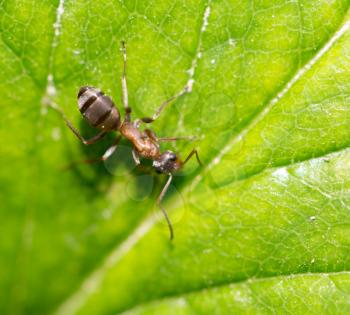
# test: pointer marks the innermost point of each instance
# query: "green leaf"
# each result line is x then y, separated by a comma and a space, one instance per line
261, 228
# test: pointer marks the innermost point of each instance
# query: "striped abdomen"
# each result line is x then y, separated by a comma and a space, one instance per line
98, 109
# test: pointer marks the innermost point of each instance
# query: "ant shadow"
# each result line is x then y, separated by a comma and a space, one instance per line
97, 174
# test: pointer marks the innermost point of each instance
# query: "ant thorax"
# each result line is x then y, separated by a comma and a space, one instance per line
144, 142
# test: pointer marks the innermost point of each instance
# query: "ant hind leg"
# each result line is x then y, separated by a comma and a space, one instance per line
92, 140
124, 86
75, 131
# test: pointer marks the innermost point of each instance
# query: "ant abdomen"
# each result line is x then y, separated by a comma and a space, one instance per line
98, 109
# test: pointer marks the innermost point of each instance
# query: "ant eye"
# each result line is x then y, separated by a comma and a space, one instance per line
172, 157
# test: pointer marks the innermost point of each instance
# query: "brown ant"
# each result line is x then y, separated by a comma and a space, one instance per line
99, 110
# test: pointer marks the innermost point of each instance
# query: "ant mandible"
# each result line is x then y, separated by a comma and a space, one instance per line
99, 111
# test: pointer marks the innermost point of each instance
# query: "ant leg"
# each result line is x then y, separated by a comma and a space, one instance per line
161, 196
110, 150
104, 157
81, 138
189, 138
151, 134
75, 131
136, 157
124, 86
194, 151
149, 120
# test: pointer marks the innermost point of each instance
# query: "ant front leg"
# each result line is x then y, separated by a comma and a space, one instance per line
124, 86
193, 152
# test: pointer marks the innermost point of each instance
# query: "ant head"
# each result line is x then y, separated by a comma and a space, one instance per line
167, 162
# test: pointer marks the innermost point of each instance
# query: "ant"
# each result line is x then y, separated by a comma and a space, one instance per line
100, 112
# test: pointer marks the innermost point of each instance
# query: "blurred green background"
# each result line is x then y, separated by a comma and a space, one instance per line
262, 228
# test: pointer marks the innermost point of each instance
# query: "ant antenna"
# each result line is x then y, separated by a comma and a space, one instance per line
163, 209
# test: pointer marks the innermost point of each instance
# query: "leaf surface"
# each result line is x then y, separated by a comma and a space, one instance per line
262, 227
